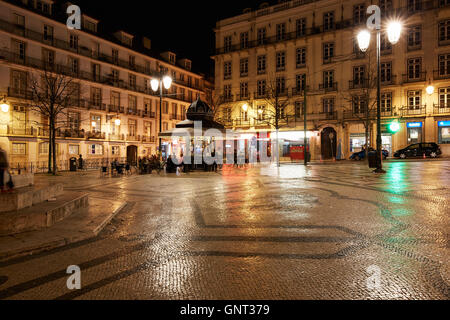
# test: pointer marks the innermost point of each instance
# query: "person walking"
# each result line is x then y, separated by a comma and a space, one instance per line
4, 165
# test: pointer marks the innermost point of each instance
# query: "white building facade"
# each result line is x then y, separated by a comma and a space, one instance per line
314, 41
113, 74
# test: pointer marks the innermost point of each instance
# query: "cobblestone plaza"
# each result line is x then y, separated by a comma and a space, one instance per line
256, 233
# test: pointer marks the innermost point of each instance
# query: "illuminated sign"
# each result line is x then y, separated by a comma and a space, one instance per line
414, 125
444, 123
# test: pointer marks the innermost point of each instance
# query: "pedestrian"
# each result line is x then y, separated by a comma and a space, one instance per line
4, 165
80, 162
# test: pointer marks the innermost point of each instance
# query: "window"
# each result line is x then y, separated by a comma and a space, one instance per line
414, 68
115, 56
386, 102
165, 126
90, 26
300, 27
386, 72
19, 149
227, 91
281, 31
414, 100
48, 33
19, 49
244, 67
115, 98
328, 21
359, 75
96, 123
386, 46
74, 149
443, 3
444, 32
115, 75
244, 90
415, 38
43, 148
261, 88
281, 85
328, 52
74, 65
359, 105
261, 113
444, 97
227, 70
165, 107
49, 58
328, 79
328, 105
444, 64
132, 127
95, 149
262, 34
132, 61
227, 43
19, 81
73, 119
132, 81
115, 150
359, 14
132, 103
300, 57
261, 64
385, 6
300, 80
96, 97
19, 20
281, 61
73, 42
414, 5
96, 72
147, 128
299, 108
127, 41
244, 40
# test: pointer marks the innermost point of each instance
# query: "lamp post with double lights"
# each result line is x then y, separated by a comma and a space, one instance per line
394, 29
158, 83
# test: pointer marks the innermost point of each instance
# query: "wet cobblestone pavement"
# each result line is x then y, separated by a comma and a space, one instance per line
259, 233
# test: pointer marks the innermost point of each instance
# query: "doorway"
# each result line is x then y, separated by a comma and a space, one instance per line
132, 154
329, 143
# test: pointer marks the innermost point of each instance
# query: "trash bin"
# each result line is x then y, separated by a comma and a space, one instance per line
73, 164
373, 157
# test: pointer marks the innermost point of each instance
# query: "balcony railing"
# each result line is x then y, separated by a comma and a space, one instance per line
328, 87
413, 110
442, 108
328, 115
95, 135
148, 139
299, 91
242, 97
414, 77
116, 137
387, 113
241, 123
388, 81
358, 84
441, 74
20, 93
84, 51
67, 71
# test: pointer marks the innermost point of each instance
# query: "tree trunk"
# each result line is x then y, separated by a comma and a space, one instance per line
50, 149
367, 126
278, 149
54, 150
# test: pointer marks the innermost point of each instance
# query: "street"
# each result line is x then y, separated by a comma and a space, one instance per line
320, 232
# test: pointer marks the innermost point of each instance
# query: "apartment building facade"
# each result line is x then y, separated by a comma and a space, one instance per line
115, 113
312, 44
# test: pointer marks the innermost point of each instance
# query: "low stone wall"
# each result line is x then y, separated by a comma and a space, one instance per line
26, 197
23, 180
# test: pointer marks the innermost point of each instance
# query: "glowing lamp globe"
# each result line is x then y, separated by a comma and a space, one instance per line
154, 84
4, 107
394, 30
117, 122
430, 90
245, 107
167, 81
363, 40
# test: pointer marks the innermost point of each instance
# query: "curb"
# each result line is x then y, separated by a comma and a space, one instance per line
63, 241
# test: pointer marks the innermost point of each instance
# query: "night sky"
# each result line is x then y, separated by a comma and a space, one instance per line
185, 27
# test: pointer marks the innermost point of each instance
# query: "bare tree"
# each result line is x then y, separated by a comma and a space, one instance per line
52, 94
362, 101
276, 115
215, 103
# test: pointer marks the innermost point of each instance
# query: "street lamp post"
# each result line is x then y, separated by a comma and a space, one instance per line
156, 83
393, 30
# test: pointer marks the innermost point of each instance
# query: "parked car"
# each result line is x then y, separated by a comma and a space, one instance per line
357, 156
430, 150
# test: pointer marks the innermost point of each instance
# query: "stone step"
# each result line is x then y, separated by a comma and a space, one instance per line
29, 196
23, 180
42, 215
82, 225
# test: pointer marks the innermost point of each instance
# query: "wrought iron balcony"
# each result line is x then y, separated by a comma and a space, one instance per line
413, 110
442, 108
414, 77
358, 84
329, 87
441, 74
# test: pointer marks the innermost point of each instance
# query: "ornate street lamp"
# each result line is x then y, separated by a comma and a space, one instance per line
4, 106
159, 83
394, 30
